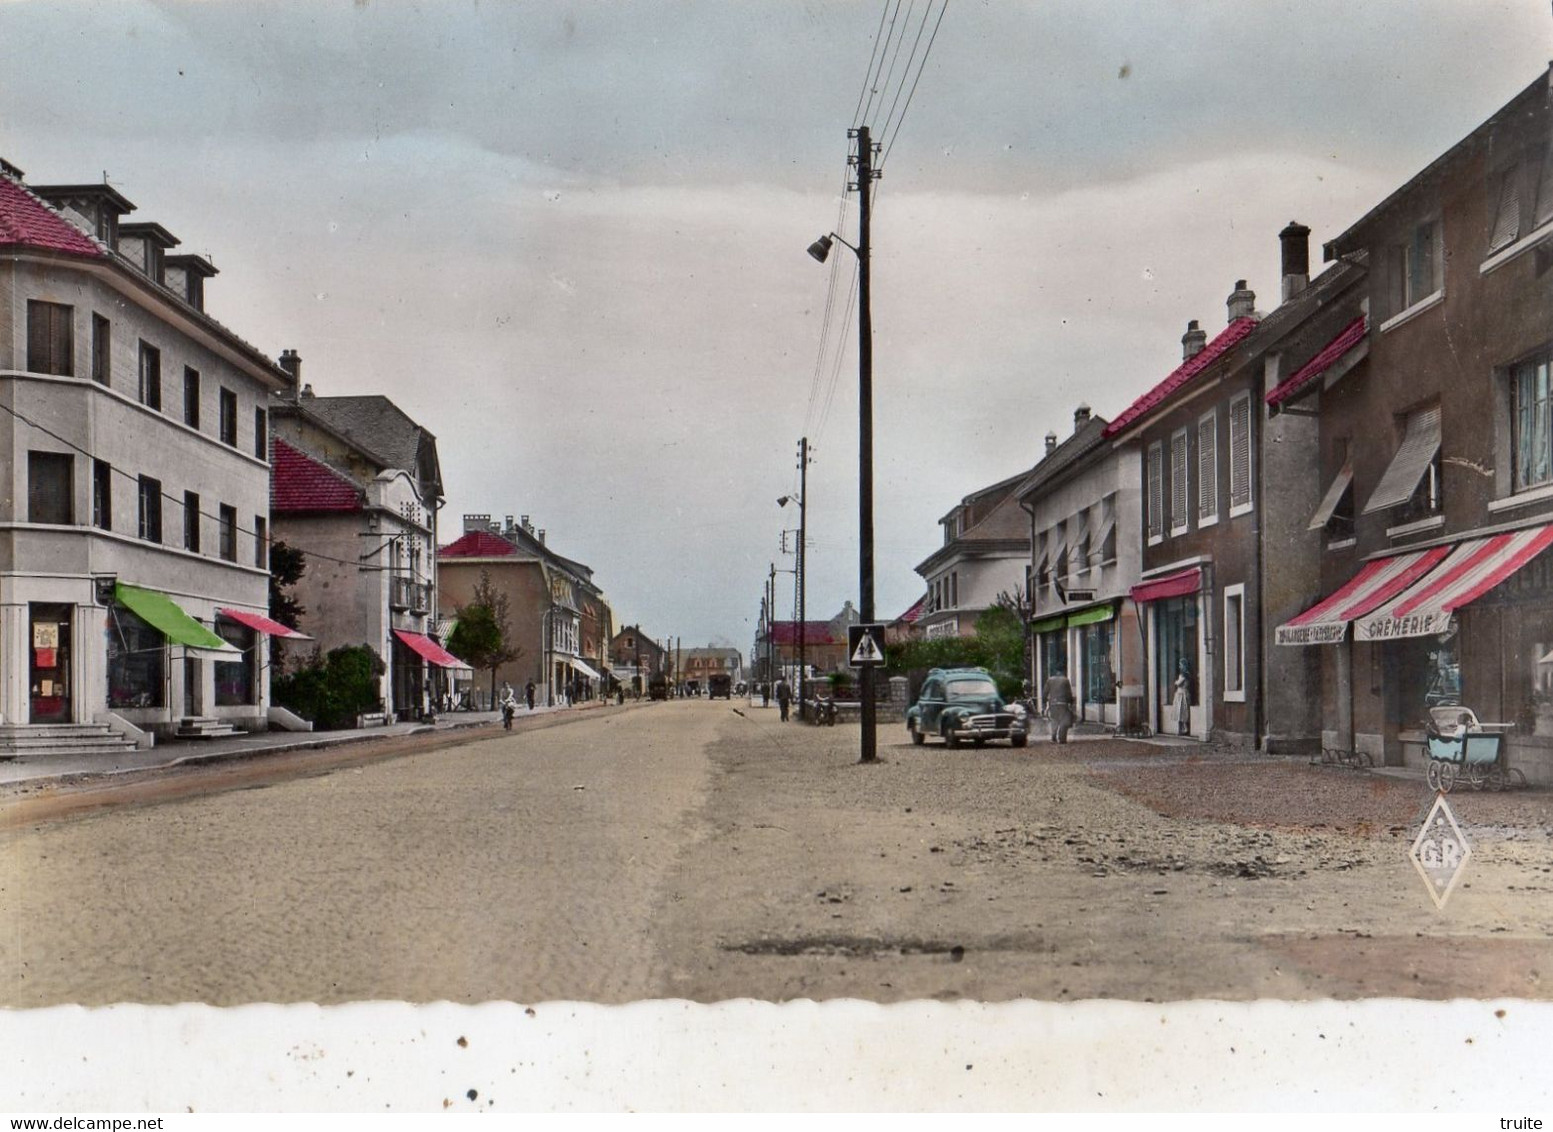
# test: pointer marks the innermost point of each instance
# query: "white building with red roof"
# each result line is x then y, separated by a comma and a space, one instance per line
134, 574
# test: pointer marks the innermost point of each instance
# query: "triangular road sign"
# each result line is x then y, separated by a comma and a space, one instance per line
867, 652
865, 643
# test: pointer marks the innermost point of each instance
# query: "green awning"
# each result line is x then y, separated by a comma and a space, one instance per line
1094, 615
163, 614
1048, 624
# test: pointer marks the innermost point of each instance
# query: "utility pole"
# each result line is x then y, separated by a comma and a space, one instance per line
771, 623
799, 581
865, 418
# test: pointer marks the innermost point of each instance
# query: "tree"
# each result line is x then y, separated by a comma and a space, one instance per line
483, 638
287, 565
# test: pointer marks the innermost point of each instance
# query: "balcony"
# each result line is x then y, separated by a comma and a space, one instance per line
408, 594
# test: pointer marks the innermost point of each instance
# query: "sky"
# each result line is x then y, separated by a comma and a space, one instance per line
569, 238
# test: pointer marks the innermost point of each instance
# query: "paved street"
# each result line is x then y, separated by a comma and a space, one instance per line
706, 851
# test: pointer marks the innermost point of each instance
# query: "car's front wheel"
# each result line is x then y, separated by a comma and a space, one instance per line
917, 737
1018, 740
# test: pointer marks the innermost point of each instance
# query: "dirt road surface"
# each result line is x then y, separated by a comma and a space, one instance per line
691, 850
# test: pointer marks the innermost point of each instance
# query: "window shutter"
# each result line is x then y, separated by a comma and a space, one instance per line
1240, 452
1178, 482
38, 337
1507, 220
1545, 189
1208, 468
1156, 473
1419, 444
62, 348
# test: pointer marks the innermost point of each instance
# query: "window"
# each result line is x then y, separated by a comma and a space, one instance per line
1180, 505
1412, 480
1234, 643
191, 521
1240, 455
191, 396
1099, 676
137, 656
261, 432
1208, 469
1532, 415
1507, 210
229, 417
50, 341
1417, 270
1155, 502
234, 678
150, 376
261, 542
228, 533
102, 495
102, 350
150, 509
50, 493
954, 590
1544, 213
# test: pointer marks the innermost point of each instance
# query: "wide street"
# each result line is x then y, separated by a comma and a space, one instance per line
706, 851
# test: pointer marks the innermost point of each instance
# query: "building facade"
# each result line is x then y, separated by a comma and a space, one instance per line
134, 525
986, 545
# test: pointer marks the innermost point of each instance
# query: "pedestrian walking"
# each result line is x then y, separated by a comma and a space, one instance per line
528, 694
1059, 706
784, 698
509, 706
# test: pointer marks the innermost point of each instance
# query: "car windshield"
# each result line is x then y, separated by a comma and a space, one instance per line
973, 686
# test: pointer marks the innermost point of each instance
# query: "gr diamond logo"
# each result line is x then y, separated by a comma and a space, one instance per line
1440, 852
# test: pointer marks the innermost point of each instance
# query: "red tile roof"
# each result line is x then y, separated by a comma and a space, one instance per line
1325, 359
814, 633
27, 221
478, 544
914, 614
300, 483
1182, 375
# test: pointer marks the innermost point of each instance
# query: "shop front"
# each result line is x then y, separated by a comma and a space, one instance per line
1178, 648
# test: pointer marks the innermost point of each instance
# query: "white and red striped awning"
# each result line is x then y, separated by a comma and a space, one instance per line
263, 624
1469, 571
1378, 582
428, 649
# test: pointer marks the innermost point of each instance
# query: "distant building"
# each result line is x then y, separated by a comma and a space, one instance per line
634, 658
986, 547
697, 665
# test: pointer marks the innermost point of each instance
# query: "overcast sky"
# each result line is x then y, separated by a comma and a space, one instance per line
569, 238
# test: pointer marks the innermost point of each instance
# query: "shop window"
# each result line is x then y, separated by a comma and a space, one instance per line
50, 343
1099, 676
50, 488
150, 376
102, 350
1532, 416
235, 684
137, 661
102, 495
1176, 629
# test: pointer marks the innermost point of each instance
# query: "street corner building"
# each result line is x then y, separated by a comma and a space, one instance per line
134, 560
358, 485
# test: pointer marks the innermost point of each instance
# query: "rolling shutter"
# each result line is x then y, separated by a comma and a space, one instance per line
1419, 445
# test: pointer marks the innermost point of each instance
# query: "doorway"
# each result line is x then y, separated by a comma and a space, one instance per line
48, 679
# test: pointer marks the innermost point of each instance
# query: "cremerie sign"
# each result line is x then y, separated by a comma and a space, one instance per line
1325, 633
1413, 625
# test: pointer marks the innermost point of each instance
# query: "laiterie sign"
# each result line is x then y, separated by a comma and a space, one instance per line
1322, 633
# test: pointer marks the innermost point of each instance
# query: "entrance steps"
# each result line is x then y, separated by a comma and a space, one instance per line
23, 740
203, 727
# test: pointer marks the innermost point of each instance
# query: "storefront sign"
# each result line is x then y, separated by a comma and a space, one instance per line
1327, 633
1440, 852
1413, 625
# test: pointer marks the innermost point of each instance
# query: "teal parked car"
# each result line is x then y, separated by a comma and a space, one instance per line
962, 705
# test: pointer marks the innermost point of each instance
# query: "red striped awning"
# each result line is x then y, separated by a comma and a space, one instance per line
1378, 582
1171, 585
428, 649
263, 624
1466, 573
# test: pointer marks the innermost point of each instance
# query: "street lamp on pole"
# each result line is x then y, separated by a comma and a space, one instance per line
802, 577
820, 249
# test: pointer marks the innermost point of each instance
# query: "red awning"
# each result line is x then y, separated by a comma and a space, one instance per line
428, 649
1469, 571
263, 624
1171, 585
1378, 582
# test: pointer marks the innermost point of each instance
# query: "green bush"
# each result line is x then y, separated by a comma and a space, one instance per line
334, 690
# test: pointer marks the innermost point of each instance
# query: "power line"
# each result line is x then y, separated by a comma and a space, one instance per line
872, 77
883, 12
920, 68
890, 74
899, 90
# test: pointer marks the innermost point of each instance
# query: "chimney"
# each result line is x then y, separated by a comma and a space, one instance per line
1241, 301
1295, 241
526, 525
1051, 443
541, 536
307, 393
1193, 340
1080, 416
291, 362
473, 523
